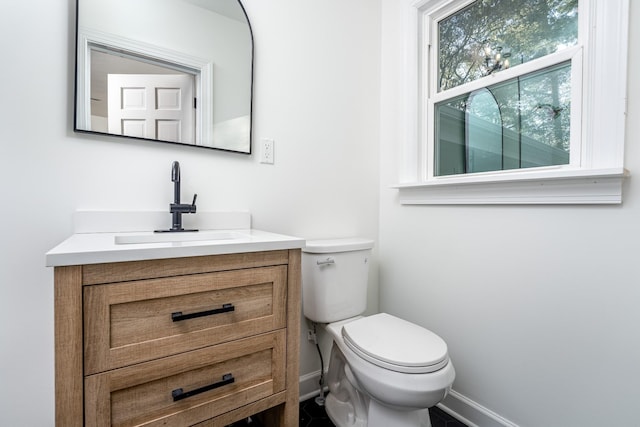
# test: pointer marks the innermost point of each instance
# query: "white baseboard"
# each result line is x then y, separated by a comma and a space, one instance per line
472, 413
309, 386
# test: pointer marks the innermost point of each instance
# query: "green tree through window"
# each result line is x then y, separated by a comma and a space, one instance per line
527, 30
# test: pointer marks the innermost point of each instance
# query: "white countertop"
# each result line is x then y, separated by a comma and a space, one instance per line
96, 248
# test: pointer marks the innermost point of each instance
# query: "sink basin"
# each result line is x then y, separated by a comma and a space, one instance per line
195, 236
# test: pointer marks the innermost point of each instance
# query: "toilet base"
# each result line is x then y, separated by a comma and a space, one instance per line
383, 416
347, 407
342, 414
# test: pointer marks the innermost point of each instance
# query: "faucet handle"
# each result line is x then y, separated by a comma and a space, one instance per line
195, 196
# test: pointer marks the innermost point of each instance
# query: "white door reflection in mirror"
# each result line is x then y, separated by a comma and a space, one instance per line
153, 106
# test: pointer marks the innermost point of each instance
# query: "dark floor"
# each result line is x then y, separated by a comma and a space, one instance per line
312, 415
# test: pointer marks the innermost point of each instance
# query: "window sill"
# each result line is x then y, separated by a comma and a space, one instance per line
601, 186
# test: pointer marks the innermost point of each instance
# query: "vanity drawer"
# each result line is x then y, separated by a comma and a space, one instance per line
190, 387
137, 321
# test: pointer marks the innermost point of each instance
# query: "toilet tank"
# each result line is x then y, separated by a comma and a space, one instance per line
334, 278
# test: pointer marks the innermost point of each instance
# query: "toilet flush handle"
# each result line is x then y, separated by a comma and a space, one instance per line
329, 260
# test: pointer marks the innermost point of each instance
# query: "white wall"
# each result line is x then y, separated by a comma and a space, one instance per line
316, 95
539, 304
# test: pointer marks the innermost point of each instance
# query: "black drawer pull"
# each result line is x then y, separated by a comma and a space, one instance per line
178, 316
179, 394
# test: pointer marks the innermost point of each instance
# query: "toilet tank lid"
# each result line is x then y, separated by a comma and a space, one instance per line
337, 245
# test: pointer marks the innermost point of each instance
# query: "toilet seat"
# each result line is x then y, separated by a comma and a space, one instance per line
395, 344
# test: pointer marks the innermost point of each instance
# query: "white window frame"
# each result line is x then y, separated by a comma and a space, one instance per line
596, 169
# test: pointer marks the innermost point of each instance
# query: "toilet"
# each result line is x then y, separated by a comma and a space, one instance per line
383, 371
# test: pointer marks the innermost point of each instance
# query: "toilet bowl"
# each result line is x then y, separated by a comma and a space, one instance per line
383, 393
383, 371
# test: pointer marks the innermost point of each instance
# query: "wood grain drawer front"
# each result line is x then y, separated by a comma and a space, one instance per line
133, 322
149, 394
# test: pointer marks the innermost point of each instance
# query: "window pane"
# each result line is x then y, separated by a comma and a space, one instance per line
483, 136
520, 123
489, 35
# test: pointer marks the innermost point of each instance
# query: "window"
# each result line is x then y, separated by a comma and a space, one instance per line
522, 121
512, 97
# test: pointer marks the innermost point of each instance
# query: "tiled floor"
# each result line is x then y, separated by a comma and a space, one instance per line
312, 415
439, 418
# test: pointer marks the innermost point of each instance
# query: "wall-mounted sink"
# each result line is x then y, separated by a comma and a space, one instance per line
150, 237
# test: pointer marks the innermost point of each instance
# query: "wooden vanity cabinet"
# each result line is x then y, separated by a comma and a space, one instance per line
203, 341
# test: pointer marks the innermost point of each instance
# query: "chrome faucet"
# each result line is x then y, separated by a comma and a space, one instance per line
176, 208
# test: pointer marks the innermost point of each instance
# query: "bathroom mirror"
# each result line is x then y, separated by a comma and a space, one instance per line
178, 71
